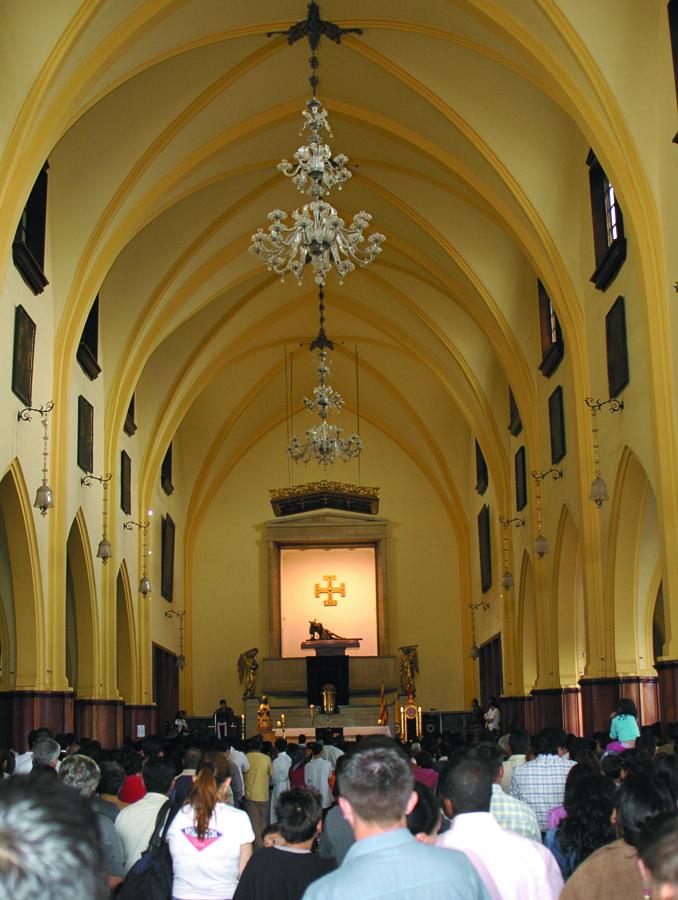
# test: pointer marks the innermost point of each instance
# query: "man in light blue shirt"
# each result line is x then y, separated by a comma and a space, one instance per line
377, 793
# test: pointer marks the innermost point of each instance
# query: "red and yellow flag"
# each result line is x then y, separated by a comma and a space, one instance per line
383, 709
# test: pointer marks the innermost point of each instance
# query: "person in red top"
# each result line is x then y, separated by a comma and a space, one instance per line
424, 772
133, 788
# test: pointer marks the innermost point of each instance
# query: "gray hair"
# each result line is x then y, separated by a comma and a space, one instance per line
45, 752
81, 773
49, 843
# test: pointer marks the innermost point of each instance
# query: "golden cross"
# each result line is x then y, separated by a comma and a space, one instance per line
330, 590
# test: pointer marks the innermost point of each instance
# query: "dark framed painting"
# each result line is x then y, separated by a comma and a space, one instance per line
166, 472
167, 559
515, 425
85, 434
521, 478
22, 357
482, 478
125, 483
557, 425
617, 348
484, 548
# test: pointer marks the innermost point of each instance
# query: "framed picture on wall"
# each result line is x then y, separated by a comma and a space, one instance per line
125, 483
167, 559
22, 356
521, 478
485, 549
557, 425
85, 435
617, 349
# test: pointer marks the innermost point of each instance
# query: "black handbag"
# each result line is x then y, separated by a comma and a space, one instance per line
150, 878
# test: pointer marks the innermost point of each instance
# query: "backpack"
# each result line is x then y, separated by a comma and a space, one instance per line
150, 878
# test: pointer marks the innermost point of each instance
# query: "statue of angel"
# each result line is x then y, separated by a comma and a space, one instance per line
247, 670
409, 667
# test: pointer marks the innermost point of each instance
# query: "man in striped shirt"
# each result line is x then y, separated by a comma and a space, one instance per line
541, 782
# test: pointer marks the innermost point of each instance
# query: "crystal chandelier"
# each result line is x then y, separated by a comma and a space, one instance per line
324, 443
316, 235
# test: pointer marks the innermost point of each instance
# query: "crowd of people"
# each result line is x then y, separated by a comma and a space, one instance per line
462, 815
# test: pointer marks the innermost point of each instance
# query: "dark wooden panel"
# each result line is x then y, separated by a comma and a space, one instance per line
138, 714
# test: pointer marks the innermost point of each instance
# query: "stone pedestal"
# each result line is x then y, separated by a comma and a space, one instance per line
601, 695
22, 711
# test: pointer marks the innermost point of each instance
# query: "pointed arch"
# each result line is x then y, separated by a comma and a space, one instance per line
568, 599
81, 569
527, 623
633, 555
24, 564
126, 649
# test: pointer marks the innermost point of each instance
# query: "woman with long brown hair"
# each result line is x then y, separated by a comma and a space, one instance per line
210, 842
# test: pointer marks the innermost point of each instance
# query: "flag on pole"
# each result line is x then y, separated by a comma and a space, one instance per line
383, 709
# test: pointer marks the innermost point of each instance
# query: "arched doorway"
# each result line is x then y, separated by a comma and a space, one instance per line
81, 643
125, 651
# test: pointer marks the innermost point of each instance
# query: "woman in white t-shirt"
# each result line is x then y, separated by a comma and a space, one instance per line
210, 842
492, 716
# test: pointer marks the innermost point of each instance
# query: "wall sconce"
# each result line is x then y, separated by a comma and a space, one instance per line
541, 544
484, 605
599, 493
179, 613
145, 583
104, 551
44, 499
507, 578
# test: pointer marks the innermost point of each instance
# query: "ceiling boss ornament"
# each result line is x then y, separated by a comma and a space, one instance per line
316, 235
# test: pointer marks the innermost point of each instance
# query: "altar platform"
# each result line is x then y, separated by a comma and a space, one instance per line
356, 718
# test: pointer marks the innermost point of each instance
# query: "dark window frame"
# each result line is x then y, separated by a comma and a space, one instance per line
557, 425
85, 451
485, 549
482, 475
166, 472
28, 247
552, 345
168, 531
610, 252
515, 425
87, 353
520, 470
130, 425
125, 483
672, 10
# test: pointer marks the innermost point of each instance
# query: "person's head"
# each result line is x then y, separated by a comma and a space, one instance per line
626, 707
46, 752
424, 820
377, 785
519, 742
494, 703
672, 731
466, 786
192, 757
492, 756
585, 756
80, 773
281, 745
611, 766
474, 703
300, 813
151, 747
316, 749
588, 825
270, 836
573, 783
158, 775
112, 778
301, 740
36, 735
551, 742
424, 759
49, 844
255, 743
223, 704
658, 854
638, 799
212, 778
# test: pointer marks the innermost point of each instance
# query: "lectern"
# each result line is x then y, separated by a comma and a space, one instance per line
328, 666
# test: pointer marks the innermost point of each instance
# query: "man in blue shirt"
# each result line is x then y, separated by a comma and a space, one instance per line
377, 793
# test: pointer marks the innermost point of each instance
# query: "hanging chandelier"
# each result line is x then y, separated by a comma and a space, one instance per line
317, 235
324, 443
